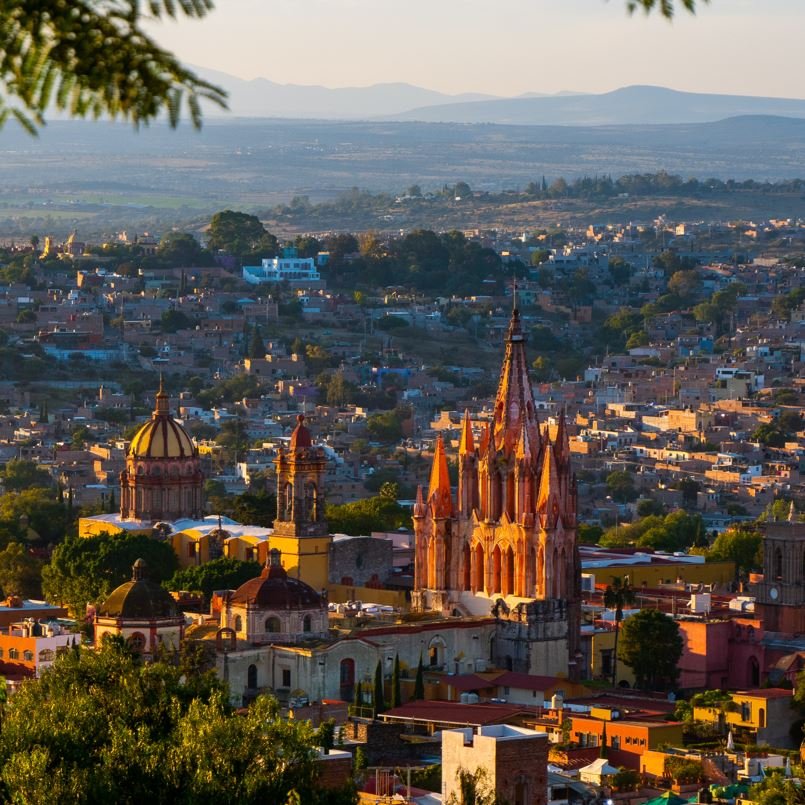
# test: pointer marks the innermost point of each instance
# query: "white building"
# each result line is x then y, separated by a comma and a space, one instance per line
298, 271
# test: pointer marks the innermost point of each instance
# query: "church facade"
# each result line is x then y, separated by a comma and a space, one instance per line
506, 544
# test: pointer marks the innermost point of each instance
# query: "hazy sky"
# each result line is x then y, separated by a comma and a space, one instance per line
503, 47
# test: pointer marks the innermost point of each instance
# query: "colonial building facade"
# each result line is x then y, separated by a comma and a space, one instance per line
507, 543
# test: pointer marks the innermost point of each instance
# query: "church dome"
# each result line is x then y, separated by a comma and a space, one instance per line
139, 599
272, 589
162, 436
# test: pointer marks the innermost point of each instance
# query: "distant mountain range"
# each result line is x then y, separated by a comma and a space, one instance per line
634, 105
263, 98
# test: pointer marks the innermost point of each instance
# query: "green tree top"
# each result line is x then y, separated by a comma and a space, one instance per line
92, 58
651, 646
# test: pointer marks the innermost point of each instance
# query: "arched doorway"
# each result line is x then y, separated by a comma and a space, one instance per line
251, 677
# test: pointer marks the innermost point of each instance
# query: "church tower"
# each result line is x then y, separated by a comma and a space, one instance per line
509, 542
162, 479
300, 529
780, 600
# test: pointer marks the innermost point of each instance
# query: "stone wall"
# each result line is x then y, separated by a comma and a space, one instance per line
361, 560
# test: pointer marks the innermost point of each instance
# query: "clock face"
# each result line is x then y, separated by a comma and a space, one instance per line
773, 593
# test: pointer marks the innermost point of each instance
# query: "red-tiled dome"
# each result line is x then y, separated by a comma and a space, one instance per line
301, 435
272, 589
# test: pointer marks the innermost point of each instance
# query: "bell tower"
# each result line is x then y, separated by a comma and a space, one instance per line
301, 533
781, 595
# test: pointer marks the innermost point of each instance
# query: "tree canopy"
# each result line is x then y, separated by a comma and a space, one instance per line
650, 644
94, 58
364, 516
217, 574
85, 570
240, 234
99, 726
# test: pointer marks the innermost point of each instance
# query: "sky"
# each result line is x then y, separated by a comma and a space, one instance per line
501, 47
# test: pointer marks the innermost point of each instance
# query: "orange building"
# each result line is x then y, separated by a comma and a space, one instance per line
28, 646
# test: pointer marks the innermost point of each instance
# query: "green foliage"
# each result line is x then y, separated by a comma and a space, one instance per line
364, 516
665, 7
620, 484
777, 790
387, 427
172, 321
101, 727
676, 531
648, 506
589, 534
85, 570
182, 249
20, 572
626, 780
20, 474
769, 434
93, 59
217, 574
739, 544
651, 646
240, 234
45, 515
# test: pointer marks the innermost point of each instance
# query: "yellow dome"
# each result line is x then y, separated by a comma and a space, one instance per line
162, 436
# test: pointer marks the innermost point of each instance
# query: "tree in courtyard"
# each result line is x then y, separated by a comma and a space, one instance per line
652, 647
618, 595
94, 58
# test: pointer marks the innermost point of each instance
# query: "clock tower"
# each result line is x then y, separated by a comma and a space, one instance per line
780, 600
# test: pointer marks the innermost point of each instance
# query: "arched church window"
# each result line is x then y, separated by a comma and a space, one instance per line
778, 564
238, 623
273, 624
311, 502
288, 514
306, 623
136, 642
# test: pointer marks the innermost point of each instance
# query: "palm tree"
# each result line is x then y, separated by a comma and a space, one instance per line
616, 596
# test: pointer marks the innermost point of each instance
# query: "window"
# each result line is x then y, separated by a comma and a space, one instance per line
273, 625
286, 677
306, 623
46, 655
136, 642
191, 549
746, 711
615, 743
238, 623
13, 654
1, 654
28, 656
